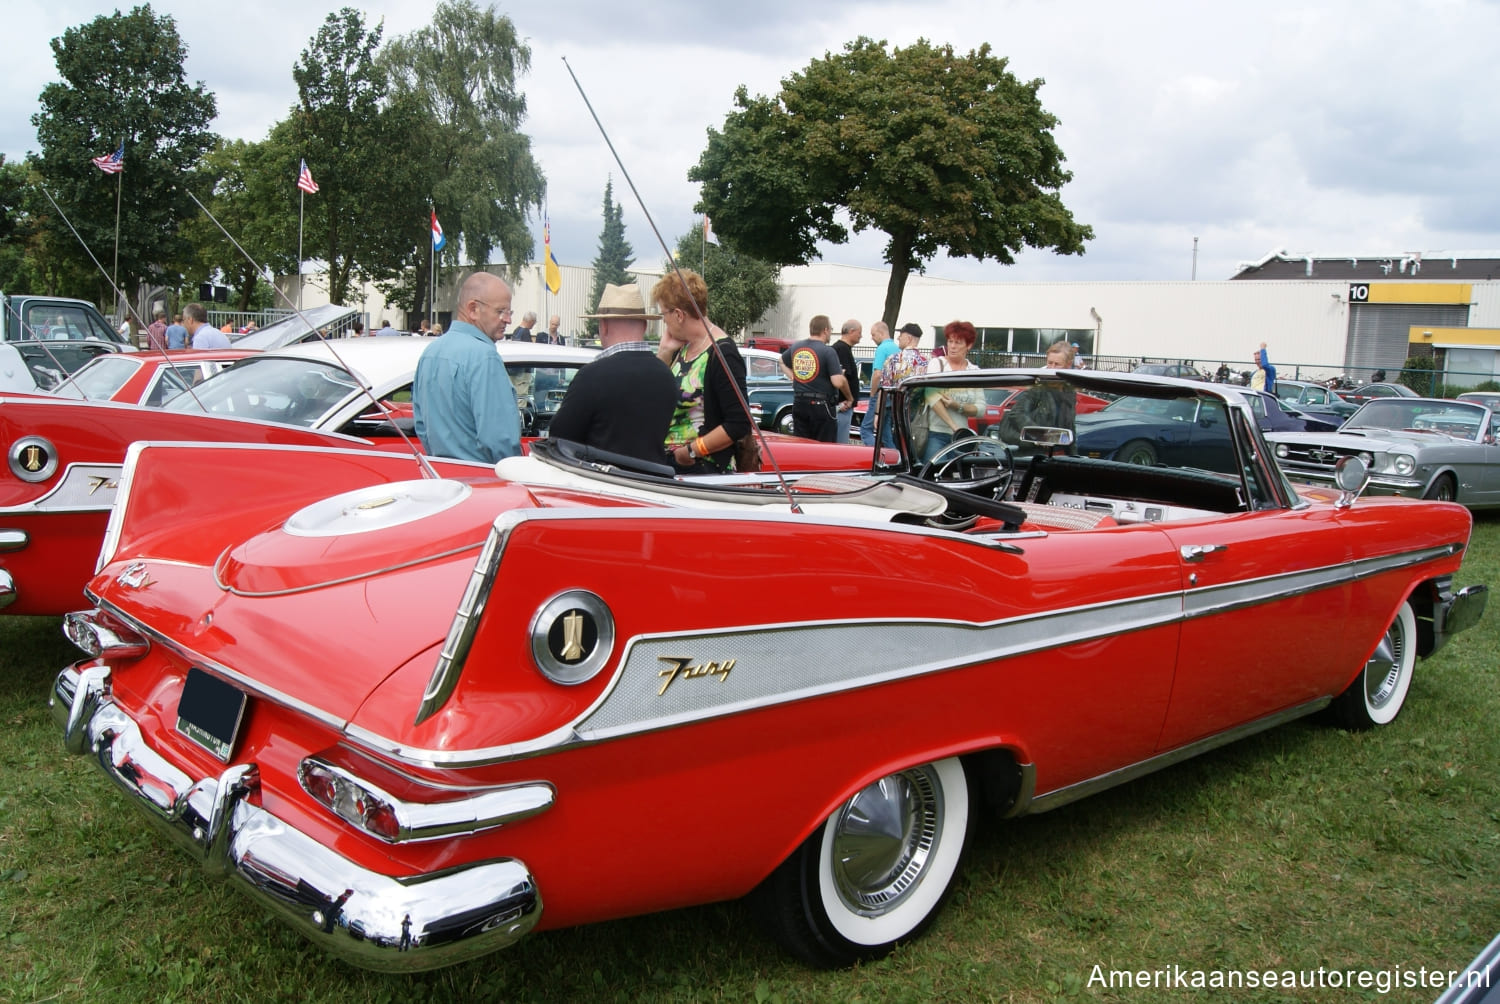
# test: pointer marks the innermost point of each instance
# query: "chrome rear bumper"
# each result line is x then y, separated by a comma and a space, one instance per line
370, 920
1455, 612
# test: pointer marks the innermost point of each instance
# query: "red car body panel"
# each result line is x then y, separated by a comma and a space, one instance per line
767, 664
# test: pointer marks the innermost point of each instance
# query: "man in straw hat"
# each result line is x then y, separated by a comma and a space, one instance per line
623, 400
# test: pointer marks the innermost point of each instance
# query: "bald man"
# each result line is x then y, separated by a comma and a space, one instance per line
464, 404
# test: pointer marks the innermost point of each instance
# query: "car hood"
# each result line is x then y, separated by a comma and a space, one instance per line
1369, 440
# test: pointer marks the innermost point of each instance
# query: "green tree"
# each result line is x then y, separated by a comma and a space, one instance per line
122, 84
461, 72
245, 190
935, 150
18, 226
740, 287
365, 153
615, 253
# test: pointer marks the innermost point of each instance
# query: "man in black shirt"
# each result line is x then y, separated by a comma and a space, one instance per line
819, 382
623, 400
523, 330
849, 336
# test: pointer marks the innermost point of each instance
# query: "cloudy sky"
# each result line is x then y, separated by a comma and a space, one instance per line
1365, 127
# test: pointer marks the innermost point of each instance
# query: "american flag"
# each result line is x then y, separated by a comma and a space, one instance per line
305, 182
111, 163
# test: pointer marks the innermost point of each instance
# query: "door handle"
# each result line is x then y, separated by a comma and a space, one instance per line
1197, 552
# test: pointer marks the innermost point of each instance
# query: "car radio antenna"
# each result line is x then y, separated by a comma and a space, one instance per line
422, 462
713, 343
120, 297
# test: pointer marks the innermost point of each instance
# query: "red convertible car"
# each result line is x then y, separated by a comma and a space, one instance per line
417, 718
64, 457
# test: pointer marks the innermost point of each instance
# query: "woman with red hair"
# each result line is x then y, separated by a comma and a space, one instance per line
949, 408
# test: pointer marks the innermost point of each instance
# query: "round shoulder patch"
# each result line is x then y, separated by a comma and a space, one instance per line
805, 365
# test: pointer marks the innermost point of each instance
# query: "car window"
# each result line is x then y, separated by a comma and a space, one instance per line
64, 323
168, 382
271, 389
763, 368
1454, 418
100, 379
540, 389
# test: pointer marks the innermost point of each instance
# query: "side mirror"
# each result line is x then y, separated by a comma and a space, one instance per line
1351, 476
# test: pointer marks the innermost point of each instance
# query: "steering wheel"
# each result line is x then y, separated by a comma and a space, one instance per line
966, 457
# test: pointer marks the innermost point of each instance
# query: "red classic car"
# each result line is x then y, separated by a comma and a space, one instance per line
419, 718
151, 378
64, 457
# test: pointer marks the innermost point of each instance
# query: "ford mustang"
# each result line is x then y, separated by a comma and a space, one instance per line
417, 718
1419, 447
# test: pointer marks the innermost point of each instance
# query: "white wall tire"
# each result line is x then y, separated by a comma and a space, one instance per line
1378, 694
877, 872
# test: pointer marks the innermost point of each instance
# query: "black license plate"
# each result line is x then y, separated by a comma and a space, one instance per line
209, 713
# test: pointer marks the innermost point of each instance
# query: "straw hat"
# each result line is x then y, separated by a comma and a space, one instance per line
623, 303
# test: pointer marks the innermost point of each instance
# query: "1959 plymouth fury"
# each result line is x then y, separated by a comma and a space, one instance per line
418, 719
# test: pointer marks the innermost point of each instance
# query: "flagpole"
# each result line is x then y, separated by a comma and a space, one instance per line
301, 202
431, 274
119, 189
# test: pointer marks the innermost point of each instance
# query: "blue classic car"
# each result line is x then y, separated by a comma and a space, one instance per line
1419, 447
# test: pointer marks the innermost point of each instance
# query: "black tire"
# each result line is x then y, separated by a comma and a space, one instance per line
876, 873
1139, 452
1442, 489
1379, 692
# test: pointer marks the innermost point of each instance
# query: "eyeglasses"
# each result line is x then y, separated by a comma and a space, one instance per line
502, 311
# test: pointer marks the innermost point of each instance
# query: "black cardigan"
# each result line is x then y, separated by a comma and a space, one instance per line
720, 404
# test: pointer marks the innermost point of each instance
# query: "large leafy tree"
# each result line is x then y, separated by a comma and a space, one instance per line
461, 72
740, 287
615, 253
17, 230
246, 195
122, 84
365, 152
933, 149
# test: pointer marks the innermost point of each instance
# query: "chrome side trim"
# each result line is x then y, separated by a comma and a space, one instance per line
1204, 601
13, 540
1073, 792
82, 488
386, 923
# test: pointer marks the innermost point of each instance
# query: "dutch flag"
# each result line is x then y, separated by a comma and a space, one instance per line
438, 240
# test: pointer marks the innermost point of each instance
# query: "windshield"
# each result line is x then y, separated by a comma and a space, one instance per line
540, 389
100, 379
271, 389
1450, 418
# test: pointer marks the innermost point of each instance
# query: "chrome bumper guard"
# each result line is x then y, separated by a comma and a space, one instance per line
367, 919
1455, 612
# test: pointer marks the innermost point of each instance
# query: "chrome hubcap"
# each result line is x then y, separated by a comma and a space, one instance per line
1383, 671
883, 838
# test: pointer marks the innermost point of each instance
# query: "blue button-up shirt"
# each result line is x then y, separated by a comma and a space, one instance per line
462, 399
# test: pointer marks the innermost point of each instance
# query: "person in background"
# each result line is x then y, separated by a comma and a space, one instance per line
906, 361
710, 416
950, 408
437, 329
1263, 360
424, 328
203, 334
386, 329
1043, 405
177, 335
624, 399
358, 329
156, 332
523, 330
849, 336
818, 377
553, 335
463, 402
885, 347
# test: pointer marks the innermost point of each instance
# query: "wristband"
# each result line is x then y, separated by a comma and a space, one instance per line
700, 448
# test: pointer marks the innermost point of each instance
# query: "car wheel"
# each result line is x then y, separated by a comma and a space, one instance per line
876, 873
1139, 452
1377, 694
783, 422
1442, 489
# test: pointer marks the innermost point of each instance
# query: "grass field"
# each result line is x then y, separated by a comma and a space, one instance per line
1301, 848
